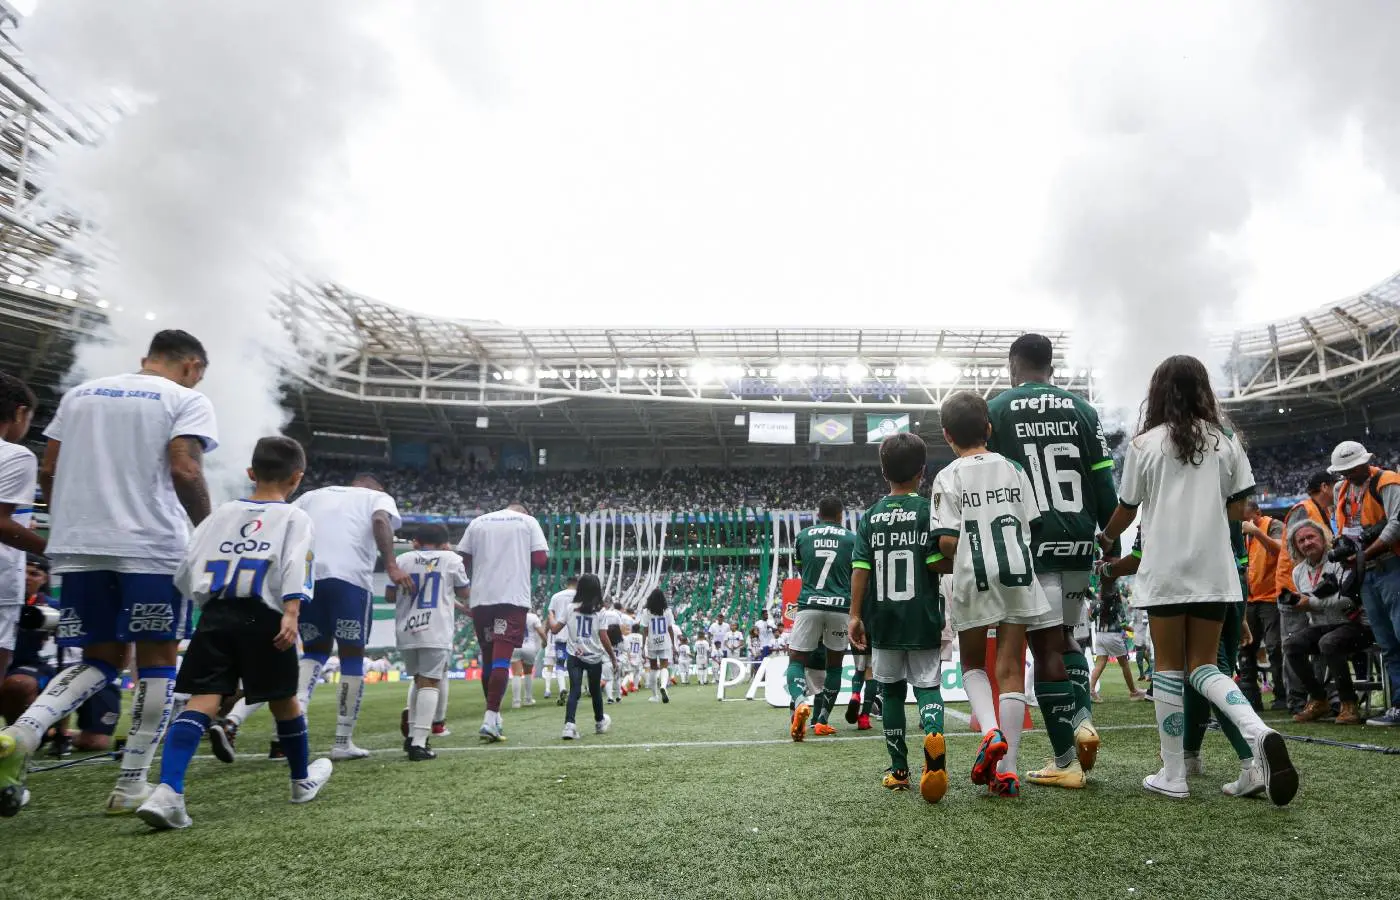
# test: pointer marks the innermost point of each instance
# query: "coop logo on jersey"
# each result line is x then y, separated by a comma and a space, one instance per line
1041, 402
249, 543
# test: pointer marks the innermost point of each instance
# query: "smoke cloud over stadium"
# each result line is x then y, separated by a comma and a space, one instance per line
211, 184
1191, 122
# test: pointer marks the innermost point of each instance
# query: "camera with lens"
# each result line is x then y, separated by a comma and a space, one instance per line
41, 618
1346, 547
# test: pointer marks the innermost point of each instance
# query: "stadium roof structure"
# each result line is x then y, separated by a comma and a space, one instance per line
371, 368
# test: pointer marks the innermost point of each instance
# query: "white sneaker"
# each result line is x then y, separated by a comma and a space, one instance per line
653, 699
515, 705
602, 725
570, 731
530, 701
121, 801
24, 799
349, 751
1250, 783
317, 774
1280, 778
164, 809
1161, 783
491, 733
1195, 766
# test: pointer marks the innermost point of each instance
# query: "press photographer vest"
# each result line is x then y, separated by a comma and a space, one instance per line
1263, 567
1359, 506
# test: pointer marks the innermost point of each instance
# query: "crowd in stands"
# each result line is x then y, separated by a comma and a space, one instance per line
1281, 470
557, 492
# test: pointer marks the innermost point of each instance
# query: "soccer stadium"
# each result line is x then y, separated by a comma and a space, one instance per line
697, 463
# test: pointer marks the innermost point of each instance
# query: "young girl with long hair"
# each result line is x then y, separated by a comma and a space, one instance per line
1188, 474
588, 643
658, 626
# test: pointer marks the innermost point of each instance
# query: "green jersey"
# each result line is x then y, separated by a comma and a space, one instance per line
1057, 439
902, 608
824, 553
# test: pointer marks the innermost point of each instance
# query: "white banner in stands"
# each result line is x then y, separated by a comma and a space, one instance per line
772, 679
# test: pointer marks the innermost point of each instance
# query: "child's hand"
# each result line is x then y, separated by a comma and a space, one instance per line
287, 634
855, 628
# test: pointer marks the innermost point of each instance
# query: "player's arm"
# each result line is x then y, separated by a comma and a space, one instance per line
860, 579
382, 525
48, 468
1099, 462
555, 626
186, 457
15, 478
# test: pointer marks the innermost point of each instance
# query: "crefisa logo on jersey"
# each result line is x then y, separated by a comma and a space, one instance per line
1041, 402
249, 543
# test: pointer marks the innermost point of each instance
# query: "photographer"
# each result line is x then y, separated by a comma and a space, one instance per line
1368, 515
1329, 591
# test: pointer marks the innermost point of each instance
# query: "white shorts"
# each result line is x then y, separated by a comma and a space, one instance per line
813, 626
1110, 643
921, 668
526, 654
430, 662
9, 627
663, 656
1067, 592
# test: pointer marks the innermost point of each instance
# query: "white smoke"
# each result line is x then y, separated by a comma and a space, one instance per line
213, 182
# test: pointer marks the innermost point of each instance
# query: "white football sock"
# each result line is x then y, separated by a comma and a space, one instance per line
411, 703
441, 714
665, 678
352, 691
515, 689
68, 690
1171, 721
150, 713
420, 721
308, 674
529, 690
177, 705
1220, 690
1013, 716
243, 709
979, 695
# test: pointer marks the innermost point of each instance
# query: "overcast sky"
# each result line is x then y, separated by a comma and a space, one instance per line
792, 163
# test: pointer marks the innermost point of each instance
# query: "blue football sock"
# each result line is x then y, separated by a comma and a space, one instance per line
180, 744
292, 734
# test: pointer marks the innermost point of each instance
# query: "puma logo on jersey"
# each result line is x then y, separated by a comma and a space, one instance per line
1041, 402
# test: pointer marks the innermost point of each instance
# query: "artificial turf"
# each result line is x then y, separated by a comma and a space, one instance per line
705, 799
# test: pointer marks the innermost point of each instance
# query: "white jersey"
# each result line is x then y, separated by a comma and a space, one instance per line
113, 497
988, 504
532, 633
765, 633
1186, 556
733, 644
344, 517
252, 551
633, 643
584, 631
702, 652
19, 474
500, 545
658, 634
683, 654
427, 620
559, 606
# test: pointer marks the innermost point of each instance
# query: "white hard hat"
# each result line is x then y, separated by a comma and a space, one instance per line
1347, 456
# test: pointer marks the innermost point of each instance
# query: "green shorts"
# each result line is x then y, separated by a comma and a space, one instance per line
1215, 612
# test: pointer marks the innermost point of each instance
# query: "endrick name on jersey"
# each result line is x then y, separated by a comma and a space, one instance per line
1067, 428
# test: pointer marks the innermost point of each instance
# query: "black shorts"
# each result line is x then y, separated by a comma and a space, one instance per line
233, 643
1215, 612
100, 713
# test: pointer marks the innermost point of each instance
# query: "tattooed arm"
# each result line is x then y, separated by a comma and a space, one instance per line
187, 472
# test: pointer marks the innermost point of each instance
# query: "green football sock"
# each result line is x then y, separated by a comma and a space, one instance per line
1196, 709
868, 698
1077, 666
831, 686
893, 696
796, 680
1058, 707
930, 700
857, 682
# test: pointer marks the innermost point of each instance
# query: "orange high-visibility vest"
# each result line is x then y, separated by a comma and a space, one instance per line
1263, 567
1285, 556
1359, 506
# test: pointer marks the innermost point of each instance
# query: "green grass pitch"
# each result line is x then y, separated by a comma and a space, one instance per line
705, 799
